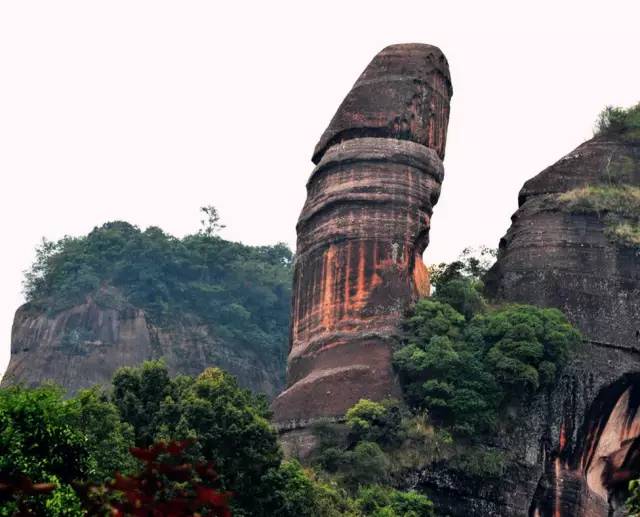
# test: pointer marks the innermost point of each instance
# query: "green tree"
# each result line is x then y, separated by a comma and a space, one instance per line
230, 425
615, 119
108, 439
461, 371
140, 393
211, 224
526, 346
366, 464
38, 440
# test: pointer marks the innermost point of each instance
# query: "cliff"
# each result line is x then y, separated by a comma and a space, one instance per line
572, 245
85, 344
362, 232
119, 296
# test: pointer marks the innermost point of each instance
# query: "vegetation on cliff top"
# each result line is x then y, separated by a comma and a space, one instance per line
617, 205
244, 291
618, 120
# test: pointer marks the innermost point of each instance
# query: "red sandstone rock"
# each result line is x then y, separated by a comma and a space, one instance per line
362, 233
404, 93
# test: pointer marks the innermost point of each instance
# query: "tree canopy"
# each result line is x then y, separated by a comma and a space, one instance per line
461, 360
243, 290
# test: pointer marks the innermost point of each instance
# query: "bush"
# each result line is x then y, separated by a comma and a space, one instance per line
382, 501
617, 120
375, 421
622, 200
366, 464
480, 463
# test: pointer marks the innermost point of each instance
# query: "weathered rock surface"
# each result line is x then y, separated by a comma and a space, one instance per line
85, 344
362, 232
578, 445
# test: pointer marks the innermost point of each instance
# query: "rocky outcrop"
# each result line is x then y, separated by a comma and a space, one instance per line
578, 445
84, 345
362, 232
558, 256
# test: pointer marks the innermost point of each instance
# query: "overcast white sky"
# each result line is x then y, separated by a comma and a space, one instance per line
146, 110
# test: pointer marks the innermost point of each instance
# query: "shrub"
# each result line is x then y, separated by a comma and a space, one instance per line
617, 120
622, 200
379, 501
375, 421
480, 463
366, 464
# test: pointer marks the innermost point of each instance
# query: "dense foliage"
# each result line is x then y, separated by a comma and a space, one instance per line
44, 438
230, 425
462, 368
617, 120
243, 290
64, 457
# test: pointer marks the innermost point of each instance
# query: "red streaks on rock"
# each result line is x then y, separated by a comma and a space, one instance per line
362, 232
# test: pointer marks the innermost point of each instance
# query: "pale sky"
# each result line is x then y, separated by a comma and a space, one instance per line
146, 110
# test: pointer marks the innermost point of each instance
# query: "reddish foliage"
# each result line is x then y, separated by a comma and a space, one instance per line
165, 487
19, 488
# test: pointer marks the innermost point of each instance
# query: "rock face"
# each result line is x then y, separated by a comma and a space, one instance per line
85, 344
362, 232
579, 444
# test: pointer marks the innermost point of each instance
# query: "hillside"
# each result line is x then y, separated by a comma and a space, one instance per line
120, 295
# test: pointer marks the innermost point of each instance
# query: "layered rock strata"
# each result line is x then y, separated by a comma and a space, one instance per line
571, 247
362, 232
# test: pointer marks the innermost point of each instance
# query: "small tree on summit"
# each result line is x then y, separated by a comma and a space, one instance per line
211, 224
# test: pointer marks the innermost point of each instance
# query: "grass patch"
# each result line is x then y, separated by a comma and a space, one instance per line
618, 206
627, 234
621, 200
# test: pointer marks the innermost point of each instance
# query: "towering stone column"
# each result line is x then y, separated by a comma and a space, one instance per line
362, 232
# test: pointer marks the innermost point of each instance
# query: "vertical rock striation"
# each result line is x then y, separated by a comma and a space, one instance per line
573, 244
362, 232
85, 344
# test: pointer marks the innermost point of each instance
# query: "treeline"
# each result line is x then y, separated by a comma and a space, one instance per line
244, 291
85, 442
